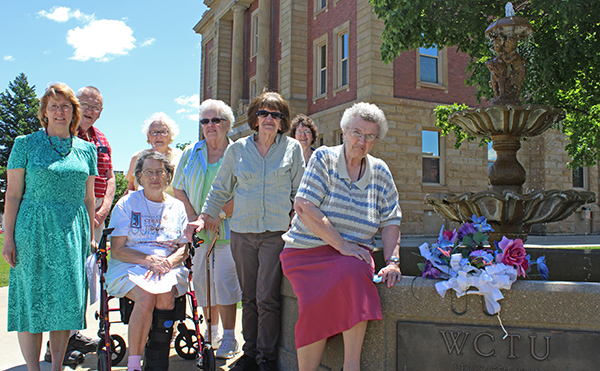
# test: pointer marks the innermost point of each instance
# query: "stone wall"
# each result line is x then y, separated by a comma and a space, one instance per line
550, 309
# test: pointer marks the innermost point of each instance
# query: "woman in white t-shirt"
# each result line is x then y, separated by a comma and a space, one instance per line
148, 249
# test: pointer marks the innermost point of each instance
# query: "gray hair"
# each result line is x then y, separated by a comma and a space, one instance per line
153, 155
163, 119
368, 112
218, 105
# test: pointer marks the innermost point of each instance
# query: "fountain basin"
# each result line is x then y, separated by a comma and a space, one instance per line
510, 214
517, 121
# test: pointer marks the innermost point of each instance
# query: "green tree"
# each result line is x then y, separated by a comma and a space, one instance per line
18, 116
120, 190
563, 56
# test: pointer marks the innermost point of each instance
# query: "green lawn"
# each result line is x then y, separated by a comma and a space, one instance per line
4, 267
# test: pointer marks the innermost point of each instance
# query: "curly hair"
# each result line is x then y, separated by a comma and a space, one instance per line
150, 154
368, 112
306, 121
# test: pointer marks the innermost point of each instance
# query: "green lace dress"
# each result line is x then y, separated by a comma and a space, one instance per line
48, 286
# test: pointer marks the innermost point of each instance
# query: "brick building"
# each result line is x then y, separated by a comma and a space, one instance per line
324, 55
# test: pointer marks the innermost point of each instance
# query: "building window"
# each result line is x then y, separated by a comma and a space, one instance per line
253, 88
320, 5
208, 69
431, 156
432, 69
579, 180
429, 65
342, 58
320, 66
254, 35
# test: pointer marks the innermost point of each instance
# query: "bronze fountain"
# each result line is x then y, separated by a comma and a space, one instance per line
510, 212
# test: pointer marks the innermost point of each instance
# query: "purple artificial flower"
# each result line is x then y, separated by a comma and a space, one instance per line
429, 271
543, 268
465, 230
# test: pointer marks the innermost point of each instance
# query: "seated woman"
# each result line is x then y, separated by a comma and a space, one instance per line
344, 198
147, 254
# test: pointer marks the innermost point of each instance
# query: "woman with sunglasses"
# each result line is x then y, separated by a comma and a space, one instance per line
49, 207
197, 169
262, 173
161, 130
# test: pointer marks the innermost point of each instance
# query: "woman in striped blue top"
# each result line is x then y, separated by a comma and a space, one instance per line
345, 197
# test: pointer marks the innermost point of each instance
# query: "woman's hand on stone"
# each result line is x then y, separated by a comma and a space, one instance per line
390, 274
352, 249
9, 252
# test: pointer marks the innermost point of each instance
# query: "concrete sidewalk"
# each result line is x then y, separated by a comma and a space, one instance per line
10, 353
12, 360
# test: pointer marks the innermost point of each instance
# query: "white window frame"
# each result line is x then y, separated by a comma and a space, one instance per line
320, 7
442, 70
254, 34
339, 32
320, 45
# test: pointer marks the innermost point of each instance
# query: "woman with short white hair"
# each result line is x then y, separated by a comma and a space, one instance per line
160, 130
346, 196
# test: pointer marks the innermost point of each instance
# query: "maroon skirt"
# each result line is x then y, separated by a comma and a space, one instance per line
335, 292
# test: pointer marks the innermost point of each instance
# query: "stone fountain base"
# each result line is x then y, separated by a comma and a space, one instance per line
511, 214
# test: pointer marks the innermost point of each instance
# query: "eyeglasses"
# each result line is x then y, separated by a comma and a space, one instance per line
64, 107
85, 107
163, 133
369, 138
157, 173
264, 113
214, 120
303, 132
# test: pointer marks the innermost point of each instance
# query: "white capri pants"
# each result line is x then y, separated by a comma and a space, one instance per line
225, 287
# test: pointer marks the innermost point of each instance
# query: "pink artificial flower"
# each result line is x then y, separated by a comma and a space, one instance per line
450, 236
513, 254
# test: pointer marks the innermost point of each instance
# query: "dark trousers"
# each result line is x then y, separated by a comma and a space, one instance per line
258, 268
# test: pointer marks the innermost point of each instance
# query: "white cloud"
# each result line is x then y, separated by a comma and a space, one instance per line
62, 14
192, 101
148, 42
101, 40
9, 58
190, 106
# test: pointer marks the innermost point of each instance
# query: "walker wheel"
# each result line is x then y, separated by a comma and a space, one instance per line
117, 351
186, 344
208, 354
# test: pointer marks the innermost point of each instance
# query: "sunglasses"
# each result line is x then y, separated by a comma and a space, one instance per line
214, 120
264, 113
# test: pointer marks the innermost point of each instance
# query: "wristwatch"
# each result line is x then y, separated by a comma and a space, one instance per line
393, 259
222, 215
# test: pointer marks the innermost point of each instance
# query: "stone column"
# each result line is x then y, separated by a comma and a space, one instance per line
237, 56
263, 57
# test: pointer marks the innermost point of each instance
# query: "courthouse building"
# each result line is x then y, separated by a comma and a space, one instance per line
324, 55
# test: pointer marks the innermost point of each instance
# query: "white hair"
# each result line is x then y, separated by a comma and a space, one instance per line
163, 119
218, 105
368, 112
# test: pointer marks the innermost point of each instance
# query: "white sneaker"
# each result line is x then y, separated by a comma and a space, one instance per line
228, 348
216, 339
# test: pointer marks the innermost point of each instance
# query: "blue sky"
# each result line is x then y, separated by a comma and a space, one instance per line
144, 57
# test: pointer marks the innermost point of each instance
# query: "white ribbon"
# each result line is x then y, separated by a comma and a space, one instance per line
488, 282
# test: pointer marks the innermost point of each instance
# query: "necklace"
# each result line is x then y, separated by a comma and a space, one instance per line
360, 170
155, 219
62, 154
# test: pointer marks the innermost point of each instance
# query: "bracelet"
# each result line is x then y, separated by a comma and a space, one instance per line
393, 259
